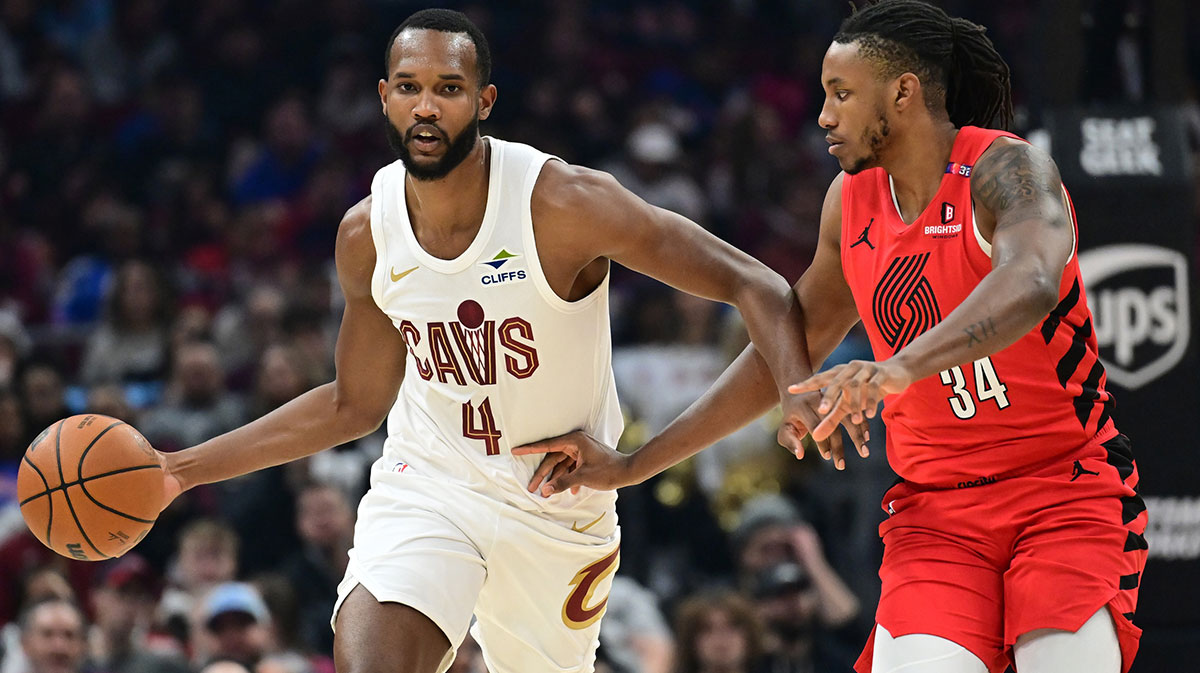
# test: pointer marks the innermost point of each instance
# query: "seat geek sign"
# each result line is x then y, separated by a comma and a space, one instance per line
1116, 146
1138, 295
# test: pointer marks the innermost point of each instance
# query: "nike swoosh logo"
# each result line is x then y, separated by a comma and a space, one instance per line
575, 527
397, 276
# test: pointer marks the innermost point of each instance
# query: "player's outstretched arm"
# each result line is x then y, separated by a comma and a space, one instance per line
747, 388
370, 366
1023, 209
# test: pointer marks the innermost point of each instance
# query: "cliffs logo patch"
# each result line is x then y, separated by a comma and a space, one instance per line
503, 269
500, 259
1138, 295
904, 305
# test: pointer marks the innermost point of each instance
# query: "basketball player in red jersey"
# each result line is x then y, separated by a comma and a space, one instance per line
1015, 532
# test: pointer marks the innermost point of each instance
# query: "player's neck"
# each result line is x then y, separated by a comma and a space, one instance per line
917, 162
454, 203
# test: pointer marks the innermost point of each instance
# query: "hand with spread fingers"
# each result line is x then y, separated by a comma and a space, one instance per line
573, 460
852, 391
800, 412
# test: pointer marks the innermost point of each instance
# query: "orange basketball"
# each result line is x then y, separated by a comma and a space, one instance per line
90, 487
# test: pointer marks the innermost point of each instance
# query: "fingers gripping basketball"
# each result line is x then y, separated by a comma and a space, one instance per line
90, 487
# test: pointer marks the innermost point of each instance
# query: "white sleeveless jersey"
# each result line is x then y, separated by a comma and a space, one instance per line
495, 358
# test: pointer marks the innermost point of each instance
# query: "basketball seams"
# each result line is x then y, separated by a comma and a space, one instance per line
50, 515
81, 481
92, 443
67, 495
71, 508
91, 497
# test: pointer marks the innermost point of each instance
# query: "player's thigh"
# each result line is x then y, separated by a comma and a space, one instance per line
940, 585
1092, 649
374, 637
1081, 548
546, 591
415, 552
921, 652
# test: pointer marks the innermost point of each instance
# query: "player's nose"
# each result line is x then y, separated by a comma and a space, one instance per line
826, 119
426, 107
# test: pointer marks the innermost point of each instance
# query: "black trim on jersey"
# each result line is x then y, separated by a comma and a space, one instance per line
1133, 542
1131, 507
1087, 398
1129, 581
1120, 455
1050, 326
1074, 355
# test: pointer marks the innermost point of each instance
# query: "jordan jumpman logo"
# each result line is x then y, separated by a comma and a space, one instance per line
1077, 471
862, 238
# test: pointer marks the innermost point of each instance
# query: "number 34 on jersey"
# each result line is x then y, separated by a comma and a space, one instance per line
964, 402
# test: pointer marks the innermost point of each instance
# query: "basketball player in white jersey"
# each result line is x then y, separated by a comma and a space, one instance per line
476, 285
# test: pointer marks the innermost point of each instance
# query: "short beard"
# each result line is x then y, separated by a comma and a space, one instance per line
456, 151
875, 139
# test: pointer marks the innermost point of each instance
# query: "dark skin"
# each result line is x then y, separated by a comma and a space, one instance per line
1020, 210
582, 220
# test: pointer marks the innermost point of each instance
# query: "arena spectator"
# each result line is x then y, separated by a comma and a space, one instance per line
235, 619
131, 344
196, 406
123, 605
718, 632
54, 637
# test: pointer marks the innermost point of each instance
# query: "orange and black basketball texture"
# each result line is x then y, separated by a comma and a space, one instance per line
90, 487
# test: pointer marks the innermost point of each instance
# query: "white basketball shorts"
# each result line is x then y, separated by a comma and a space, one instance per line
536, 584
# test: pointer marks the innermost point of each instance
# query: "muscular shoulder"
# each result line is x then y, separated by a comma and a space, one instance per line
355, 249
1013, 172
567, 193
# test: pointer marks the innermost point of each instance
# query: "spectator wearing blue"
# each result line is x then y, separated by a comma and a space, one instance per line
236, 617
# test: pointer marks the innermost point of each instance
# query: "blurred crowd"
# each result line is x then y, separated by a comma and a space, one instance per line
172, 175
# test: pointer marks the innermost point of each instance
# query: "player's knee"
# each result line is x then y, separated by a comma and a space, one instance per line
375, 637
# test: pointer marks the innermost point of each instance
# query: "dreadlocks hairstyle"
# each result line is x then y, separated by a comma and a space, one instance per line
446, 21
956, 62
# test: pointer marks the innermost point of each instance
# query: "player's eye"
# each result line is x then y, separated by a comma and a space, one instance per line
452, 88
406, 87
841, 95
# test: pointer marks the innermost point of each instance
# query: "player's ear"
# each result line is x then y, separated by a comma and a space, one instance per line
907, 87
487, 98
383, 96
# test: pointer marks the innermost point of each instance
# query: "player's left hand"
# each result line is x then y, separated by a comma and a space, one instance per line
800, 414
854, 389
573, 460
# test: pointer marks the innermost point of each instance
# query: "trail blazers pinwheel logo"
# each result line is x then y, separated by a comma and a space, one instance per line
904, 305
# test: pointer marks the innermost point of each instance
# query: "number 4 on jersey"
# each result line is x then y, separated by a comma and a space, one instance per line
485, 429
987, 387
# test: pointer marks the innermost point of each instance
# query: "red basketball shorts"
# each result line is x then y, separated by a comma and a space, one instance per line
981, 566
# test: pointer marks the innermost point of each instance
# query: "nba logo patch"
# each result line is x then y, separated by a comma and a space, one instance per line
947, 212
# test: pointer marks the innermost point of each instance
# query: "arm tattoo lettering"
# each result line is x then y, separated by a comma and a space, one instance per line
1018, 182
979, 332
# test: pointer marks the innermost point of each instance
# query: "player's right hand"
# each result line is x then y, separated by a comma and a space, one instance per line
800, 416
573, 460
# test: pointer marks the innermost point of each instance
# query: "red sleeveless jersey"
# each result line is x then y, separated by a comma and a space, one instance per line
1039, 400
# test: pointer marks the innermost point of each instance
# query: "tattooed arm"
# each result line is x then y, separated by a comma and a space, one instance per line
1021, 210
